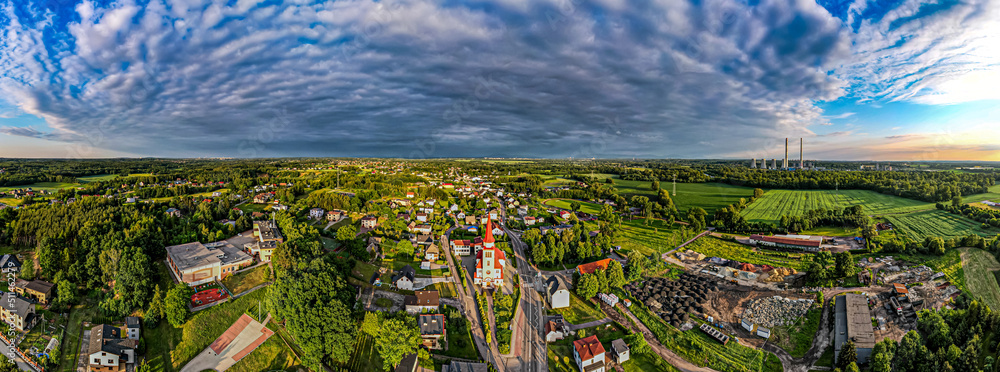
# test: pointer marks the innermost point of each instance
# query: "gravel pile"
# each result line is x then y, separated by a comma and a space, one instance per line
674, 300
776, 311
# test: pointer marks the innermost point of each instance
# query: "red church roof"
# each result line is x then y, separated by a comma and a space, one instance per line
489, 232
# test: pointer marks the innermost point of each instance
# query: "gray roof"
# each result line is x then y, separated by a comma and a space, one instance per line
19, 306
196, 255
556, 283
619, 345
465, 367
406, 271
853, 322
132, 322
431, 324
268, 230
9, 260
109, 340
39, 286
408, 364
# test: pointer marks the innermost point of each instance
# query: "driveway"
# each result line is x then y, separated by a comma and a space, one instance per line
81, 359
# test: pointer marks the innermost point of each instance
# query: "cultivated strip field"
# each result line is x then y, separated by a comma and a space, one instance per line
936, 223
777, 203
979, 278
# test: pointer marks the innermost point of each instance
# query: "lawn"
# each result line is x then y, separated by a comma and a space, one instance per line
363, 271
797, 338
585, 207
365, 357
656, 237
244, 281
579, 311
647, 362
272, 355
777, 203
460, 344
832, 231
937, 223
560, 353
715, 247
47, 186
445, 290
329, 244
252, 207
979, 268
96, 178
709, 196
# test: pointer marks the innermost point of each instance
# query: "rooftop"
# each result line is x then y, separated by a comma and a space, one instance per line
267, 230
431, 324
590, 268
853, 322
192, 256
588, 347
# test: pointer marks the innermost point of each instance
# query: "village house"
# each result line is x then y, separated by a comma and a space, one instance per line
589, 354
431, 330
404, 279
108, 351
333, 215
558, 292
369, 222
556, 329
422, 217
316, 213
38, 290
432, 253
619, 351
422, 302
173, 212
132, 328
18, 312
9, 264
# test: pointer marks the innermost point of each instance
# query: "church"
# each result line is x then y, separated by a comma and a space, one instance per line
489, 261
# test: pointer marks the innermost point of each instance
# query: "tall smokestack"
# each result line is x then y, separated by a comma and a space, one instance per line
800, 152
784, 163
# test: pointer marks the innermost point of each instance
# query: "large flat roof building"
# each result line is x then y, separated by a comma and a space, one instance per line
853, 323
196, 263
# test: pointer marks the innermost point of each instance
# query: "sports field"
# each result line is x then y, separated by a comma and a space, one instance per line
777, 203
708, 196
980, 266
935, 222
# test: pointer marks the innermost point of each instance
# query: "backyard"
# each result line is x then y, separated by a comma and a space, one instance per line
579, 311
244, 281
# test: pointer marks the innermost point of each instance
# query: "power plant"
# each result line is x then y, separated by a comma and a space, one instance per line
784, 161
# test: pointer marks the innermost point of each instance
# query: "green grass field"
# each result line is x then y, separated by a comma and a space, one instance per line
206, 325
979, 268
47, 186
715, 247
777, 203
708, 196
365, 357
96, 178
796, 339
937, 223
244, 281
579, 311
273, 355
654, 238
585, 207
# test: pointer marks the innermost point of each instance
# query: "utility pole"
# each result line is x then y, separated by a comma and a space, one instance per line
675, 184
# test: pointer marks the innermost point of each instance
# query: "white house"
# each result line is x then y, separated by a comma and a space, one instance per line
558, 292
555, 330
589, 354
404, 280
132, 327
316, 213
620, 351
108, 351
432, 253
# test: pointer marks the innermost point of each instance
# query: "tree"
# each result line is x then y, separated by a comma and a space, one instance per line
757, 193
848, 355
404, 247
394, 337
176, 304
157, 308
588, 286
346, 233
655, 186
66, 293
575, 206
616, 275
956, 201
853, 367
637, 264
844, 264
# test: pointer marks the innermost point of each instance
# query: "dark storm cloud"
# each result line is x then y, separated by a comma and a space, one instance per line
426, 79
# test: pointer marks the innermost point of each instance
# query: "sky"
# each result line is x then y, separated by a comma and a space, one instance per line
902, 80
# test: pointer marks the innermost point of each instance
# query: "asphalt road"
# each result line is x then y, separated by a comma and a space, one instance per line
17, 358
531, 355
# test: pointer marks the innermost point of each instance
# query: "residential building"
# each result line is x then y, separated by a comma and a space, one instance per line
432, 253
404, 279
461, 247
432, 329
422, 217
196, 263
589, 354
556, 329
108, 351
490, 261
9, 264
853, 322
174, 212
422, 302
423, 239
17, 312
423, 229
132, 328
592, 267
620, 351
558, 292
465, 367
316, 213
38, 290
267, 238
369, 222
529, 220
408, 364
333, 215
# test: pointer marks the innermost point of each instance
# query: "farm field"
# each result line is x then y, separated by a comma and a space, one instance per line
993, 195
585, 207
47, 186
96, 178
708, 196
777, 203
715, 247
979, 268
937, 223
657, 237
